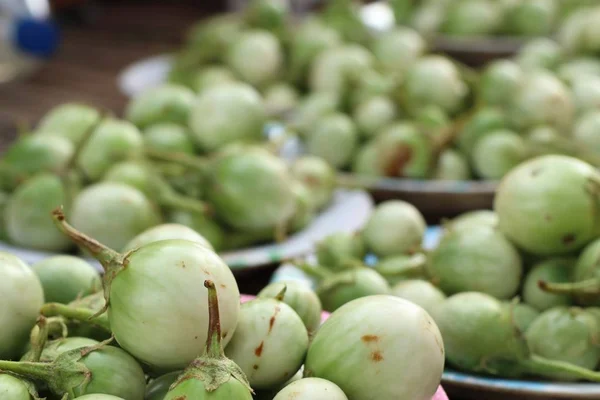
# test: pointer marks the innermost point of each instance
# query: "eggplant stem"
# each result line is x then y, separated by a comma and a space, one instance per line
542, 366
213, 340
417, 263
589, 286
280, 296
75, 313
102, 253
39, 337
313, 270
189, 161
36, 370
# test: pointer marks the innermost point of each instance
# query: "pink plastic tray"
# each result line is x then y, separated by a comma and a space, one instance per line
440, 394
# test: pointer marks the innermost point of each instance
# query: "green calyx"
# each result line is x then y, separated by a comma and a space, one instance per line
66, 375
213, 368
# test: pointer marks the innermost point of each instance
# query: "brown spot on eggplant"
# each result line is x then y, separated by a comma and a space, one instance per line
222, 286
548, 217
536, 171
258, 351
395, 166
272, 320
224, 334
255, 367
183, 264
181, 397
376, 356
370, 338
568, 239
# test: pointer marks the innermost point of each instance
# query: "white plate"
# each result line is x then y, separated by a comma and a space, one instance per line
348, 212
144, 74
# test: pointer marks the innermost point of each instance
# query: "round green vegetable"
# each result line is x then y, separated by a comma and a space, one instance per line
311, 37
530, 205
158, 388
419, 292
65, 278
113, 213
27, 214
256, 57
280, 98
311, 389
227, 113
395, 227
476, 259
251, 189
166, 232
112, 141
452, 166
374, 114
334, 70
135, 291
434, 80
37, 153
14, 388
497, 153
473, 18
340, 250
585, 135
404, 151
72, 121
200, 223
480, 335
474, 219
97, 369
210, 76
269, 343
317, 176
164, 103
397, 50
334, 139
168, 137
337, 289
300, 298
566, 334
211, 375
541, 99
402, 267
311, 109
22, 297
555, 270
499, 82
540, 53
532, 18
586, 93
364, 347
482, 122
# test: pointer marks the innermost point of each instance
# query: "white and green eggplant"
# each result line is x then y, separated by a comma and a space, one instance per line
212, 375
97, 369
379, 347
301, 298
311, 389
269, 343
156, 309
22, 297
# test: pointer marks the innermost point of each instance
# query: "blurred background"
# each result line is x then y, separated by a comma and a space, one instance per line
98, 38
